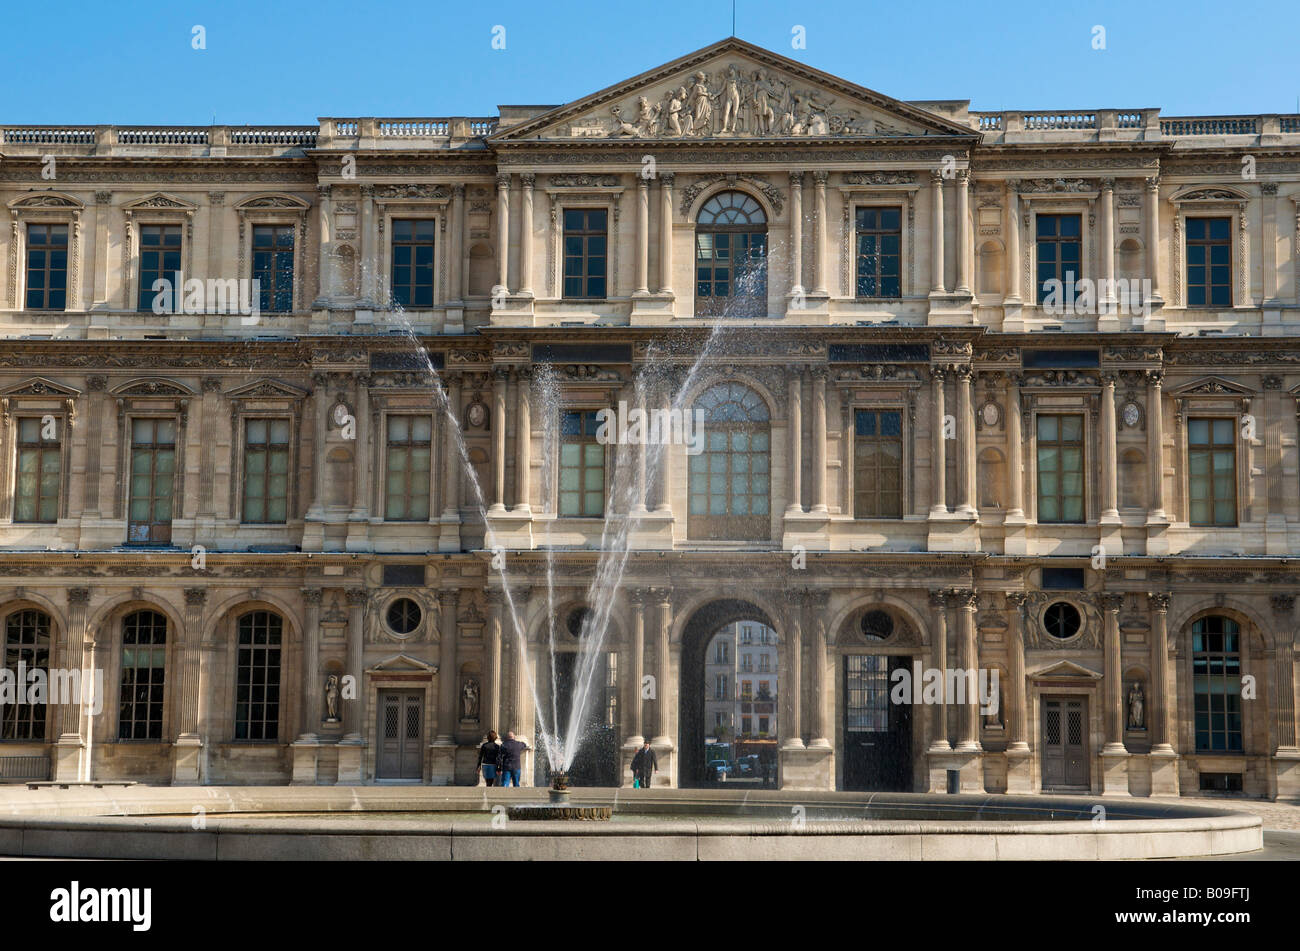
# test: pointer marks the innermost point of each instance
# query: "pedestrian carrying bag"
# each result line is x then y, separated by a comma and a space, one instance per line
636, 784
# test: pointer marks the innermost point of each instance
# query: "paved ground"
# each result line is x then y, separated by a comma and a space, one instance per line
1281, 828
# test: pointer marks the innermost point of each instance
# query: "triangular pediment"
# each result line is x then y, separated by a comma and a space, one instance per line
1212, 386
403, 663
160, 201
266, 388
733, 90
1063, 670
40, 386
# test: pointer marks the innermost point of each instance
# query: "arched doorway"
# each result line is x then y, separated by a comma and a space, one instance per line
876, 718
576, 671
729, 629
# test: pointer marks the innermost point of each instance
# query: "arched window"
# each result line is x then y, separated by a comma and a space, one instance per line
729, 481
1216, 680
27, 642
257, 681
144, 669
731, 257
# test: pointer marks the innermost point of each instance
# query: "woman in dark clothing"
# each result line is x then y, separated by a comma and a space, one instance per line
487, 758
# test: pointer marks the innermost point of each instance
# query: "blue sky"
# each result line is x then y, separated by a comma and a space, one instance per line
287, 61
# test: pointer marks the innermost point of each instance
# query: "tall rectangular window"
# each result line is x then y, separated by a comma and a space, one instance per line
585, 251
1216, 680
413, 262
410, 441
40, 464
144, 676
27, 642
879, 236
273, 266
160, 258
266, 470
720, 687
1209, 262
878, 464
1060, 251
582, 466
1212, 471
1060, 468
257, 676
47, 267
153, 478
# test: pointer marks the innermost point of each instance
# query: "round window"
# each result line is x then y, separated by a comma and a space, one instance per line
877, 625
1062, 620
403, 616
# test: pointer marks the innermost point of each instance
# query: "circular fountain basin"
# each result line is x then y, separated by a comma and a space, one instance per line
469, 823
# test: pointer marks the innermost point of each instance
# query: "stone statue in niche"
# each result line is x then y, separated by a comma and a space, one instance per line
1136, 708
332, 698
469, 700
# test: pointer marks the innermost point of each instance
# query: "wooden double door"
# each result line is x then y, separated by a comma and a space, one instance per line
401, 735
1065, 743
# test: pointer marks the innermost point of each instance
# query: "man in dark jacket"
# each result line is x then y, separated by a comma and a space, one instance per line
512, 752
644, 765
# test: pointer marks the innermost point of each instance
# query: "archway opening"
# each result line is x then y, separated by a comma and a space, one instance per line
728, 697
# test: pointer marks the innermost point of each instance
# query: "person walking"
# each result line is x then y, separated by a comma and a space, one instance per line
512, 752
645, 765
487, 758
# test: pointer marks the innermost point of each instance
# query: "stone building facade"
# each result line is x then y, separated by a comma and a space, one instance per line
258, 526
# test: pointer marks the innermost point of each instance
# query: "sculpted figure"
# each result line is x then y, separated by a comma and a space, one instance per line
675, 100
332, 698
469, 700
1136, 710
765, 95
701, 108
731, 99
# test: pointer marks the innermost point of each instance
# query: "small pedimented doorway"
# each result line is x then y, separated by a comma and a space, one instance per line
1065, 743
401, 735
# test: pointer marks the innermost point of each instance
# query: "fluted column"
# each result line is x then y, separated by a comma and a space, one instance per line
320, 434
1013, 242
823, 254
794, 412
524, 441
1014, 696
368, 252
500, 376
965, 242
526, 235
1155, 446
324, 236
819, 439
666, 455
817, 602
663, 634
1109, 469
796, 234
968, 661
635, 705
191, 640
642, 236
1107, 239
939, 661
503, 234
310, 714
69, 714
456, 246
357, 598
451, 452
366, 441
790, 685
641, 452
491, 701
448, 602
1163, 727
966, 442
936, 233
1113, 675
666, 232
938, 474
1015, 450
1153, 235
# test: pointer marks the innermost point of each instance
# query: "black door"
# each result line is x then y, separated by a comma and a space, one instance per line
401, 734
877, 733
597, 760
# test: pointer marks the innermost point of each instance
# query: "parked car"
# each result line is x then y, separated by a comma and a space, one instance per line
747, 765
718, 770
